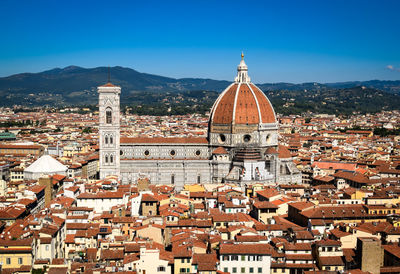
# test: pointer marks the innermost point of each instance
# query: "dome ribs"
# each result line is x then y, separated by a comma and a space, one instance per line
242, 106
246, 107
224, 109
267, 112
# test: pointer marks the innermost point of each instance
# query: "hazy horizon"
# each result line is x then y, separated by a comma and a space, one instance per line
194, 77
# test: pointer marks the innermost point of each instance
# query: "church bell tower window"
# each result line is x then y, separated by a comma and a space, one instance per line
108, 116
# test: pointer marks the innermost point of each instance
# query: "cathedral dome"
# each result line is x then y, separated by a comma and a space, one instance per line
242, 103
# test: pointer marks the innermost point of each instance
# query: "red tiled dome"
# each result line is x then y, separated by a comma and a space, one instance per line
242, 103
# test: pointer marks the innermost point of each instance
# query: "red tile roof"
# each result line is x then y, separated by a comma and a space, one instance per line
335, 165
331, 260
268, 193
108, 85
244, 249
283, 152
219, 150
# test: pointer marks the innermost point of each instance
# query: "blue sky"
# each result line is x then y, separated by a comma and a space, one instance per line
291, 41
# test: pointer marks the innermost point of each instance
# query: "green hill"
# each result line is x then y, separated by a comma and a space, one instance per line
148, 93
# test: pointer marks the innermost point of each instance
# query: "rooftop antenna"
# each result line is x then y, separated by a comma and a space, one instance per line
109, 74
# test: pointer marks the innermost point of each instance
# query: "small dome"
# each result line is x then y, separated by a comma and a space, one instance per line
242, 103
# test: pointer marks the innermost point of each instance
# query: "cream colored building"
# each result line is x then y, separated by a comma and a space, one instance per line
151, 231
15, 253
150, 261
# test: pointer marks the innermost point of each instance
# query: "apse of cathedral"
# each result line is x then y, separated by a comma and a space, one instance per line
241, 147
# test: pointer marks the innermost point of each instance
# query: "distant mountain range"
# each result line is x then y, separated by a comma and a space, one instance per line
384, 85
77, 85
76, 81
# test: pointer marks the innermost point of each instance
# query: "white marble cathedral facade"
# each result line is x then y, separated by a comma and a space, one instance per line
241, 146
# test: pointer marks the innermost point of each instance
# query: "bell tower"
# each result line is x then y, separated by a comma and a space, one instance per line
109, 130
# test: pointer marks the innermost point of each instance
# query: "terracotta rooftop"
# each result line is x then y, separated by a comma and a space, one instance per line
219, 150
283, 152
108, 85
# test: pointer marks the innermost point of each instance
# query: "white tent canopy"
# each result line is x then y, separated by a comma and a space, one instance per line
45, 165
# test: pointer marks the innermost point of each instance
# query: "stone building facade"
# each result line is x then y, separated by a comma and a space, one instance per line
109, 129
241, 146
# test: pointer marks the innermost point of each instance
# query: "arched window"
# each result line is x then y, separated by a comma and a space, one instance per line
111, 158
111, 139
172, 179
106, 139
106, 158
108, 116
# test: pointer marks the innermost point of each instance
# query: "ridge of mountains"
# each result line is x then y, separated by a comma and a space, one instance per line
75, 85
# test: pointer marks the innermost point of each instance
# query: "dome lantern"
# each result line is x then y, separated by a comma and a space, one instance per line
242, 75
